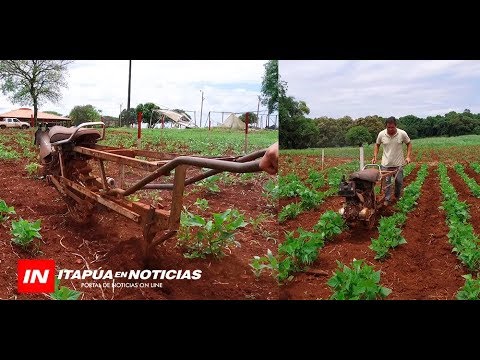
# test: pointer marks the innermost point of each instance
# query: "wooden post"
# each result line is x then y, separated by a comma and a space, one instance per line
177, 197
361, 157
246, 133
139, 132
102, 174
323, 157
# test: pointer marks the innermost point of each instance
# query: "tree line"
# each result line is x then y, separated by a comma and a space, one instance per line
297, 131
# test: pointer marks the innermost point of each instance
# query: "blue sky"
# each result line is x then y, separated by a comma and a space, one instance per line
228, 85
358, 88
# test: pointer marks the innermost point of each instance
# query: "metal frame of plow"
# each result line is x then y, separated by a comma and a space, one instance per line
151, 219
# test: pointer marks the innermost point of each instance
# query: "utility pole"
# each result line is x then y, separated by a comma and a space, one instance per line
201, 109
120, 116
129, 84
258, 108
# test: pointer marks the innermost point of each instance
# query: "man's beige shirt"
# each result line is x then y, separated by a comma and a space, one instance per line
393, 147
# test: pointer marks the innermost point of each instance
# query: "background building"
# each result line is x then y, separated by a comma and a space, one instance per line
26, 114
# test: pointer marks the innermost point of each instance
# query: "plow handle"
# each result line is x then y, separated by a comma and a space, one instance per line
245, 164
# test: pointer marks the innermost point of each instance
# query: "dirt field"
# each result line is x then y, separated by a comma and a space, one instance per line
111, 242
422, 269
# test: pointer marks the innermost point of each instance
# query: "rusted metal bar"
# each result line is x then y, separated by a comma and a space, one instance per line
74, 196
206, 174
57, 184
230, 166
155, 154
135, 163
123, 152
108, 203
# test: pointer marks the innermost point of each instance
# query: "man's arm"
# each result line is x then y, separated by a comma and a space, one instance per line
409, 153
375, 153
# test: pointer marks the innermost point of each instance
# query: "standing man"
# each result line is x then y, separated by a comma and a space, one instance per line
393, 139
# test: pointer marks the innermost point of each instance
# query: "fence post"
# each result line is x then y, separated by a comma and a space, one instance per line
139, 131
361, 157
246, 133
323, 157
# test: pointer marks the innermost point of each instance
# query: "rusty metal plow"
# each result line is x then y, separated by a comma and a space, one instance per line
362, 202
65, 154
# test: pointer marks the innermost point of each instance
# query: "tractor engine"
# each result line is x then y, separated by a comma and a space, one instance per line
359, 193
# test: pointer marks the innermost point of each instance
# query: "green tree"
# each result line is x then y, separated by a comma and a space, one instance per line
128, 117
411, 124
85, 113
343, 124
147, 112
374, 124
296, 131
33, 82
358, 135
271, 86
252, 118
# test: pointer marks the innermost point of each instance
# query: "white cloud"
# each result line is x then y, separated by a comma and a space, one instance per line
228, 85
383, 87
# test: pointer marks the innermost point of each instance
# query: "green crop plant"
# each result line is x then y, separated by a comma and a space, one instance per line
32, 168
259, 220
271, 192
475, 167
471, 183
212, 237
357, 282
330, 224
209, 184
389, 236
315, 179
470, 290
202, 204
63, 292
289, 211
270, 262
5, 210
25, 232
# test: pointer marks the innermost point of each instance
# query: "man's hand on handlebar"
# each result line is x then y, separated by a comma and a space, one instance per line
407, 160
269, 162
374, 160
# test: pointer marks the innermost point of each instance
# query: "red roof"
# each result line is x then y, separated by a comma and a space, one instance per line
26, 113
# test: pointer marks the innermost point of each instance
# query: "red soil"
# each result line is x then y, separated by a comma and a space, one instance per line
111, 241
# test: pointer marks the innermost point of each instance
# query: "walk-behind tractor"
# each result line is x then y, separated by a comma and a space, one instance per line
67, 156
364, 194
